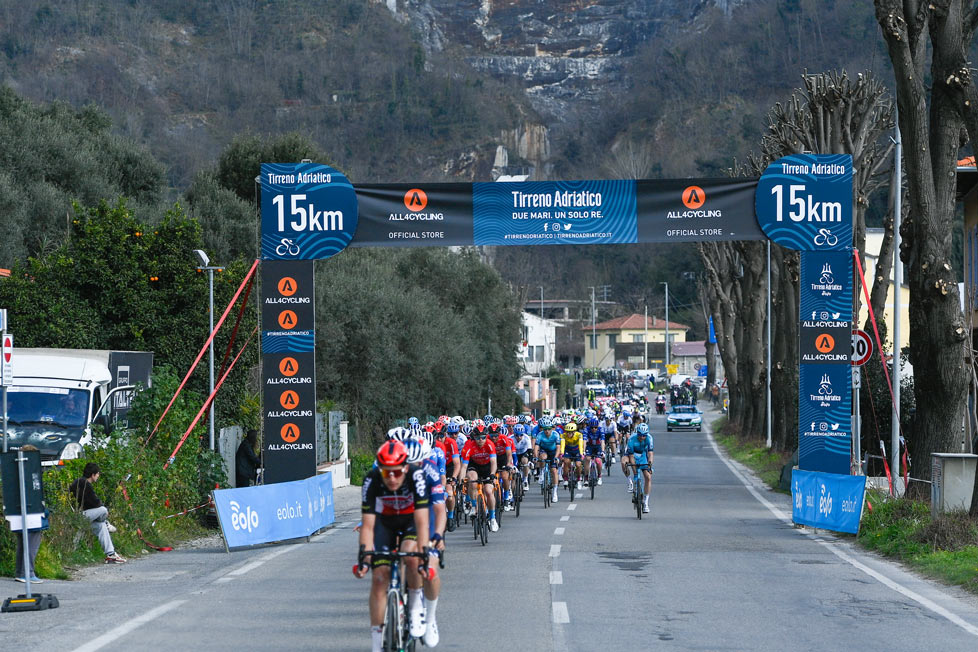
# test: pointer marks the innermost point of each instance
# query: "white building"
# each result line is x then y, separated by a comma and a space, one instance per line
537, 346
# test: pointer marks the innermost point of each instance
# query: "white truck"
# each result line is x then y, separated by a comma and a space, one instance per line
58, 394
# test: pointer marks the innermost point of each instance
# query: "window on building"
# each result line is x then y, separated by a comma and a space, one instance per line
593, 343
611, 341
529, 354
540, 354
638, 338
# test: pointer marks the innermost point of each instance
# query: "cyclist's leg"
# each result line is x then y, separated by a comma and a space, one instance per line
473, 486
384, 541
648, 482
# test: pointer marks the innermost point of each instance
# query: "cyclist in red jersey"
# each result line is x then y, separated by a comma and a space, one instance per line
481, 453
504, 458
444, 439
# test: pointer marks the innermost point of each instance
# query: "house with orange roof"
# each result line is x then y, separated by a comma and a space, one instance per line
600, 342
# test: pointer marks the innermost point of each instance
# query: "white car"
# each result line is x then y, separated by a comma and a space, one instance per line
600, 389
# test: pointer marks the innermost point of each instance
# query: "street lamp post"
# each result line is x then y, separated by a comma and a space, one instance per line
204, 261
543, 328
667, 324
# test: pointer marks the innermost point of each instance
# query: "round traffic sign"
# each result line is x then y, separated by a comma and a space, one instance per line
862, 348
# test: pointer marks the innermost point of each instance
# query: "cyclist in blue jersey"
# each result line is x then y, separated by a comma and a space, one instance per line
639, 453
432, 460
545, 448
594, 449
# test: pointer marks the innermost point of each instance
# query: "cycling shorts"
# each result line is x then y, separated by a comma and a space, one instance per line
549, 452
482, 471
573, 454
449, 469
592, 451
525, 457
387, 535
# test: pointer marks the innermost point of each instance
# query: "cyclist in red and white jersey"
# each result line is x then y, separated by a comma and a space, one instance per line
480, 454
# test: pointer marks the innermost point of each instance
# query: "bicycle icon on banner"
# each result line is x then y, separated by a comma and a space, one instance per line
287, 247
824, 237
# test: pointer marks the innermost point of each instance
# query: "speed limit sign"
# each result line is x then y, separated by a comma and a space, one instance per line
862, 348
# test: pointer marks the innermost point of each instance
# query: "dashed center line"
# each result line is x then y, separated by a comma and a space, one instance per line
554, 550
559, 531
560, 613
564, 518
572, 507
556, 577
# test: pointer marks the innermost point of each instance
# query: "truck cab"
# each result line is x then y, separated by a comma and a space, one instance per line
57, 394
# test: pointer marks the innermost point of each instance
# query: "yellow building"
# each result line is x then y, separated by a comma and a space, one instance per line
599, 344
874, 240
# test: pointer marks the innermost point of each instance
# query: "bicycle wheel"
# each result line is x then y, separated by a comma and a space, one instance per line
638, 497
392, 624
545, 487
593, 478
483, 525
476, 527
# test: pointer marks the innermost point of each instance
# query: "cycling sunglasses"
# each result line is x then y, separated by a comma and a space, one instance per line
392, 473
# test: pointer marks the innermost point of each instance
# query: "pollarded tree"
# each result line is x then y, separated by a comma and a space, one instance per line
928, 43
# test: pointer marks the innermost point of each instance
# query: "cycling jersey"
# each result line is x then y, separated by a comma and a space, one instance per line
475, 454
593, 436
571, 444
399, 504
523, 444
608, 428
548, 441
503, 445
438, 455
449, 448
639, 449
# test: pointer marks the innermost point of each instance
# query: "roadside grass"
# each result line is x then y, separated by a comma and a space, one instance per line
944, 549
752, 453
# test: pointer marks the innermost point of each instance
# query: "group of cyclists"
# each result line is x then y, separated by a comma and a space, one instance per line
424, 473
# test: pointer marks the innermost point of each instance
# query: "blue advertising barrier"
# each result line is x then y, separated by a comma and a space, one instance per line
275, 512
829, 501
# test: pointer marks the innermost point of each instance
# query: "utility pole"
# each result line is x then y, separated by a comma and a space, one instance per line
897, 284
544, 328
594, 334
668, 361
645, 360
768, 380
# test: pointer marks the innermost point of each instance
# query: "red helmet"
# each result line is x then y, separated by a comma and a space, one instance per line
494, 427
511, 420
429, 427
443, 418
392, 453
439, 425
480, 425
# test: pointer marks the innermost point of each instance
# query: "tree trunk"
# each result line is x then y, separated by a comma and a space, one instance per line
784, 359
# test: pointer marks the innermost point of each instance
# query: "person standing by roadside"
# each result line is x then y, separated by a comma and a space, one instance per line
97, 513
33, 540
246, 461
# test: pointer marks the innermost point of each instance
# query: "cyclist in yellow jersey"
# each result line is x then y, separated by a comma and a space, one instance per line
571, 449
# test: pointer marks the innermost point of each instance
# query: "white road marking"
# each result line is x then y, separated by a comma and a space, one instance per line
123, 629
560, 613
556, 577
572, 507
554, 550
882, 579
564, 518
221, 580
558, 531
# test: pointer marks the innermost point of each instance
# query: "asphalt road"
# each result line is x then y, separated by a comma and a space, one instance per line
715, 566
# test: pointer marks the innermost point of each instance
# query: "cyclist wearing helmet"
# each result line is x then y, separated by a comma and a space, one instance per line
593, 447
639, 452
433, 462
545, 447
395, 508
571, 449
522, 451
482, 454
610, 436
446, 442
504, 459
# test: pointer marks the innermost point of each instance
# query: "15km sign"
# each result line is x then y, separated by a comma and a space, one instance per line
862, 348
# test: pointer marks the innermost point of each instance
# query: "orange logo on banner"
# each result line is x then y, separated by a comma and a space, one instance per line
288, 367
693, 197
289, 400
824, 343
287, 319
287, 286
290, 432
415, 200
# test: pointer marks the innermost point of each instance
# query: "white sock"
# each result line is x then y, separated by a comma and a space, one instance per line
377, 637
414, 599
430, 606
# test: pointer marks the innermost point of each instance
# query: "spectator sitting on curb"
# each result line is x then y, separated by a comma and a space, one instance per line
95, 511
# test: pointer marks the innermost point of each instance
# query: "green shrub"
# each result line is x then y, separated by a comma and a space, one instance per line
360, 465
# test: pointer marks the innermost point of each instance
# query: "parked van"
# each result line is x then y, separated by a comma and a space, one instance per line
57, 394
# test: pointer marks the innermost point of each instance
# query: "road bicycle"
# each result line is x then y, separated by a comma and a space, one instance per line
548, 482
456, 519
480, 520
516, 482
638, 487
592, 478
396, 629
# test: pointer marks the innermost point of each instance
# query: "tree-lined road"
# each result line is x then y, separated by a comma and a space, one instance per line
711, 568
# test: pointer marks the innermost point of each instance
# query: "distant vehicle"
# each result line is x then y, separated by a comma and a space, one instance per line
678, 380
57, 394
599, 387
684, 417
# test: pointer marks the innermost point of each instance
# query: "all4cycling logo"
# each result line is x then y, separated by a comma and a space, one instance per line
416, 201
693, 198
243, 520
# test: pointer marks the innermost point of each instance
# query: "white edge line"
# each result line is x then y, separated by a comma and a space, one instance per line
125, 628
882, 579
